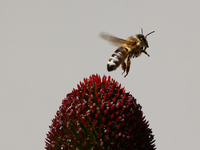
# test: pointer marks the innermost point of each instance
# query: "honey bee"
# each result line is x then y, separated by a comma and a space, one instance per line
134, 46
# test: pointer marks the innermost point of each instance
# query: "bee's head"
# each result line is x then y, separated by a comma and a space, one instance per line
143, 38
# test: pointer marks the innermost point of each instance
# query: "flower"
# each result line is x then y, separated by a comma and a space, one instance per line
99, 114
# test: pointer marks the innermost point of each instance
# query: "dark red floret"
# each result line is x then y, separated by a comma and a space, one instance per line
99, 114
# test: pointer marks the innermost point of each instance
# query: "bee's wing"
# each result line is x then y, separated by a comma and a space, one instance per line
112, 39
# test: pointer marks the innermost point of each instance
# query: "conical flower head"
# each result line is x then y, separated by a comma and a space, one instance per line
99, 114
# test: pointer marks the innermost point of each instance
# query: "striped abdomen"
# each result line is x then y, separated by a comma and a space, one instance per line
117, 58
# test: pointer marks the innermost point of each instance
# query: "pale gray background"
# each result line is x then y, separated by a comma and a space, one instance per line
48, 46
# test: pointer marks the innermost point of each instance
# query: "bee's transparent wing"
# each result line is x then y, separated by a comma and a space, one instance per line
112, 39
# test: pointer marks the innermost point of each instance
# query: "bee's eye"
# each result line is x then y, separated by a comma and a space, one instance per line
142, 39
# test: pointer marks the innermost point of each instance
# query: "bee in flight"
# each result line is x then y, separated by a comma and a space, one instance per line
134, 46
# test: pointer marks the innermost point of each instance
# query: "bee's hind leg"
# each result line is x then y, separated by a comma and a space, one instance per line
123, 65
128, 66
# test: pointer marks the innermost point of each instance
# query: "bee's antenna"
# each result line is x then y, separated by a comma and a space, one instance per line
141, 30
149, 33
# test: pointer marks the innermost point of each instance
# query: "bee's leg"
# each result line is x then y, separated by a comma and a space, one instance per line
127, 66
123, 65
145, 52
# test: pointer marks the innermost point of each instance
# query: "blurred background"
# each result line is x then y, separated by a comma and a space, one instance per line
48, 46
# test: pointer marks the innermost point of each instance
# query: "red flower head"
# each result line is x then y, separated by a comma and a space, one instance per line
99, 115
